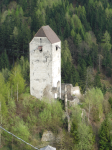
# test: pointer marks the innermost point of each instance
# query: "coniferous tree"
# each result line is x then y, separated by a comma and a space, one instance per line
104, 142
97, 82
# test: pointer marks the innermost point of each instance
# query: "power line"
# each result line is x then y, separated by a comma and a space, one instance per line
18, 138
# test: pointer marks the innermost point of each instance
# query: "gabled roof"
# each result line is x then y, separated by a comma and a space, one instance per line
46, 31
48, 148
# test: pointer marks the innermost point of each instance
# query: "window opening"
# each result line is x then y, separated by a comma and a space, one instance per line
40, 48
56, 48
40, 40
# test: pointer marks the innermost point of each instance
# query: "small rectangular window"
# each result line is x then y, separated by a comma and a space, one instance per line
56, 48
40, 48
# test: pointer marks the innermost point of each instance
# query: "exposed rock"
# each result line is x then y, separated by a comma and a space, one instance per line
48, 136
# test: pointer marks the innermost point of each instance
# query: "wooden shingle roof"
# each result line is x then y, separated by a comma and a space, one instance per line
46, 31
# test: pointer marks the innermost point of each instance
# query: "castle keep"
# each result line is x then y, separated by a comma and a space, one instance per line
45, 64
45, 68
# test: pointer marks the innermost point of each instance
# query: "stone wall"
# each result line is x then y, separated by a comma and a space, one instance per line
56, 68
45, 68
72, 92
76, 91
63, 91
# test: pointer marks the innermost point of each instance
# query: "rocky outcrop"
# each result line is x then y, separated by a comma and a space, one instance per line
48, 136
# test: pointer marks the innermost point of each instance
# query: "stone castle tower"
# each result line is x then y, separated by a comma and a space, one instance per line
45, 64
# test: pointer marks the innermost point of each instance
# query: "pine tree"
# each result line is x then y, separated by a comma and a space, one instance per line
4, 62
104, 142
97, 82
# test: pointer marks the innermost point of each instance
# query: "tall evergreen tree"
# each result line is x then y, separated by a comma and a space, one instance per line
104, 142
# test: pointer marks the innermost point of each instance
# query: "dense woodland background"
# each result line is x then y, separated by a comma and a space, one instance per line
85, 29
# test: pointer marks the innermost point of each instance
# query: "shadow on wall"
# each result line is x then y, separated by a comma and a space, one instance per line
47, 92
58, 89
71, 91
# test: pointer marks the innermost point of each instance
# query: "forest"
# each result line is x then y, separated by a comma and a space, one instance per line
85, 30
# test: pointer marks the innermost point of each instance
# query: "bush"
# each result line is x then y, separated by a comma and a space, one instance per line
110, 101
51, 116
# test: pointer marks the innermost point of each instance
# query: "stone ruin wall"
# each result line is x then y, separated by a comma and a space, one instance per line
71, 91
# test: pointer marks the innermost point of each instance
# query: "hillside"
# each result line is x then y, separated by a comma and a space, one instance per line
85, 30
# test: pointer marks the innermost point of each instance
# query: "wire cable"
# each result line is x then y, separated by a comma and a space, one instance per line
18, 138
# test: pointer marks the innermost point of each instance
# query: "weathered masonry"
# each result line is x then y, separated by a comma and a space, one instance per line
45, 64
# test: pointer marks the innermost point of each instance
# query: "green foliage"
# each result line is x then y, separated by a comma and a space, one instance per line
97, 82
86, 32
76, 114
110, 101
4, 60
78, 39
6, 74
4, 109
74, 131
94, 103
82, 134
32, 119
106, 41
20, 129
16, 80
104, 89
65, 53
85, 24
76, 119
11, 105
77, 22
82, 74
25, 69
4, 88
88, 38
51, 116
86, 137
72, 33
104, 142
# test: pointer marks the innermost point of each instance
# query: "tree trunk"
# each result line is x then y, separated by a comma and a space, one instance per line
99, 62
12, 142
89, 112
17, 92
8, 97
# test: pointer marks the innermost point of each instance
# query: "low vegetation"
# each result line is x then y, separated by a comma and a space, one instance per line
85, 30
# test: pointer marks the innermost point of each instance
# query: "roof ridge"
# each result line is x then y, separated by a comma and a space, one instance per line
46, 31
